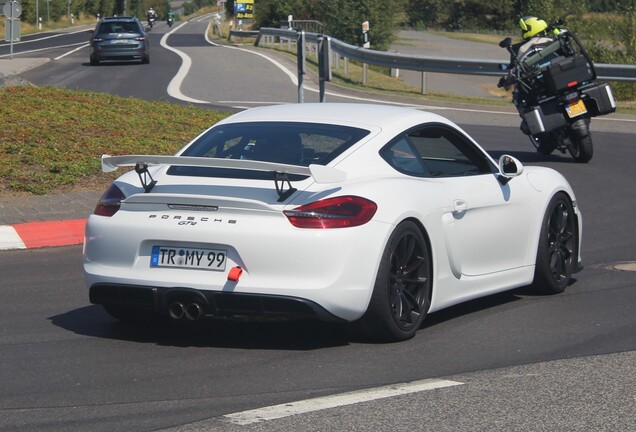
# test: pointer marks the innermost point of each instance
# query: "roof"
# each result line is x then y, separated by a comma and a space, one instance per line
119, 18
337, 113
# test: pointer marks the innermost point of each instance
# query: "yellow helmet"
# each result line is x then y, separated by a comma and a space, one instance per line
531, 26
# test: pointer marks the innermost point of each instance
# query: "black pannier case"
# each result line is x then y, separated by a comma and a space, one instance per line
544, 117
567, 72
599, 100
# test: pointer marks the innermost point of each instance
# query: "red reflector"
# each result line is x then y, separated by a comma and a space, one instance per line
572, 83
234, 274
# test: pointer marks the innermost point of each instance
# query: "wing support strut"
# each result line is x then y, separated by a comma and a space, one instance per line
144, 177
279, 181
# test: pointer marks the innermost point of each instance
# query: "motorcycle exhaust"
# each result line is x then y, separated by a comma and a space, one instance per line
176, 310
193, 311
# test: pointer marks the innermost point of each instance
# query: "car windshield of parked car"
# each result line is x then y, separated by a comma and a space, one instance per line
290, 143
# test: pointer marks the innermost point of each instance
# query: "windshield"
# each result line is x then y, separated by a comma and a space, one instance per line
279, 142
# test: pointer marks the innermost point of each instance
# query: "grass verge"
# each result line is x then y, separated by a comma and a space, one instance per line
53, 138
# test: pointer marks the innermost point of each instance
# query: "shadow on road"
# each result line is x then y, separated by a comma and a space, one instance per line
300, 335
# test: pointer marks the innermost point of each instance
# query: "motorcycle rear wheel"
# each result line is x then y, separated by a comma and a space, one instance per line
581, 147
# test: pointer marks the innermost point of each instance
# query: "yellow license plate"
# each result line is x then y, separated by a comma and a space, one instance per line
576, 108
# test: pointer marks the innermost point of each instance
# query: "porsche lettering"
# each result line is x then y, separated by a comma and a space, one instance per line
191, 220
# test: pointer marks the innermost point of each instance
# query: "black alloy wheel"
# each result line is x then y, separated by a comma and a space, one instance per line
401, 295
557, 252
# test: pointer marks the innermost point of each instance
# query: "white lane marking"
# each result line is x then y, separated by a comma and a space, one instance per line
71, 52
174, 88
334, 401
44, 38
9, 238
45, 49
286, 71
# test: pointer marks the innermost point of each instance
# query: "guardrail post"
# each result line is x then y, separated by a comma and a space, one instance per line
300, 55
365, 74
423, 87
324, 63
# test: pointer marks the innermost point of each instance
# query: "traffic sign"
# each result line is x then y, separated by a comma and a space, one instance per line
12, 31
12, 9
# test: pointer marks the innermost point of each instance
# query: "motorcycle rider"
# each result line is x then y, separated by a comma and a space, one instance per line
170, 17
534, 32
151, 15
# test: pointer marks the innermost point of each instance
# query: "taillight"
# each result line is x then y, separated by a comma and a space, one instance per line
110, 201
338, 212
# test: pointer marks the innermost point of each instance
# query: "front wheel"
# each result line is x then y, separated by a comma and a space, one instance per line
581, 147
557, 252
401, 294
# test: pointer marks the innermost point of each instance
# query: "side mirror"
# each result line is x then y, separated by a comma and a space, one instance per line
505, 43
509, 167
503, 67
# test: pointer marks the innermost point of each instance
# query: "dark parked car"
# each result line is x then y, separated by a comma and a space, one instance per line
119, 38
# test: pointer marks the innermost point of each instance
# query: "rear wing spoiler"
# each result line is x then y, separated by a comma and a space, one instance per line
319, 173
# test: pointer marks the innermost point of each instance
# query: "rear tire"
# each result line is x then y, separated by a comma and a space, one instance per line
401, 294
94, 62
557, 252
581, 147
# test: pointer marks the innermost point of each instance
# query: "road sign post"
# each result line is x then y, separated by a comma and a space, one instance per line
12, 10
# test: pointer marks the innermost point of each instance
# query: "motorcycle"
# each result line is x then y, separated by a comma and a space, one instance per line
556, 93
170, 20
151, 22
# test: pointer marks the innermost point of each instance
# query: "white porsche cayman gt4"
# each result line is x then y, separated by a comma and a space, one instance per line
367, 214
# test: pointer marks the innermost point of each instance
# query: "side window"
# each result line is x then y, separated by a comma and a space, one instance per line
402, 156
436, 151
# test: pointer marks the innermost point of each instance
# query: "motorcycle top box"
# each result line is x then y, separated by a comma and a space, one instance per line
565, 73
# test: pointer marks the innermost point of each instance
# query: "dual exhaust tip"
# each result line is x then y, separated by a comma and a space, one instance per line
192, 311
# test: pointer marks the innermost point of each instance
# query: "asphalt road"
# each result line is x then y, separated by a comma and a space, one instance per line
519, 361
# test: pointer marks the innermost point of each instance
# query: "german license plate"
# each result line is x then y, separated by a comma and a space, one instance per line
182, 257
576, 108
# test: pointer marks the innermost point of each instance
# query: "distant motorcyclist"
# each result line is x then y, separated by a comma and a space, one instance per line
170, 18
152, 16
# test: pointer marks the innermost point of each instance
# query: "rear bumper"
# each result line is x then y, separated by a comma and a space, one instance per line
124, 54
213, 304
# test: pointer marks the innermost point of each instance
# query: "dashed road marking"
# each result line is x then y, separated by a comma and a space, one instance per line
334, 401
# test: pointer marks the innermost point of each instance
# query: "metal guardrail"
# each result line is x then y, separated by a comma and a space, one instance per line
607, 72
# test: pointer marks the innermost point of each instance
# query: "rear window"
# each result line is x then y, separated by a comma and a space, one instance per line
119, 27
279, 142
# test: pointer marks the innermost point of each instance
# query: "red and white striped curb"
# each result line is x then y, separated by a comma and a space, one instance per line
42, 234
